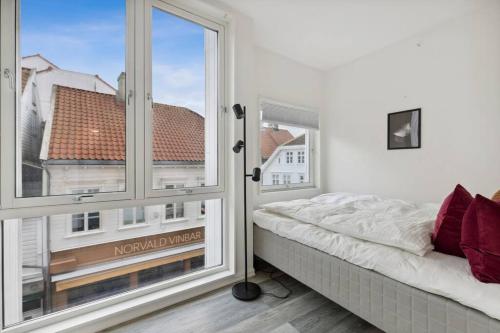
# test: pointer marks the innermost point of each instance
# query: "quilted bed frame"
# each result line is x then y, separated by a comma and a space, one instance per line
386, 303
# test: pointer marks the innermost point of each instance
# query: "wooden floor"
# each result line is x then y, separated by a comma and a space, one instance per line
304, 311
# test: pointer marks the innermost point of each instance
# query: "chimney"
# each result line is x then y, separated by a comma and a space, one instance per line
121, 93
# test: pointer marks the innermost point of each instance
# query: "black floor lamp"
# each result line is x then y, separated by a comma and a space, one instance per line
245, 291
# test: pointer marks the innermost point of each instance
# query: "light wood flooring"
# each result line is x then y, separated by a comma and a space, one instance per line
304, 311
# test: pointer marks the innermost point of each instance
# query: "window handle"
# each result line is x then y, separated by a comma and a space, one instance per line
7, 73
129, 96
150, 98
83, 196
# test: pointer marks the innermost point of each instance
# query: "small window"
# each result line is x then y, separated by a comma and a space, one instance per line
300, 157
287, 146
202, 208
85, 221
174, 210
132, 216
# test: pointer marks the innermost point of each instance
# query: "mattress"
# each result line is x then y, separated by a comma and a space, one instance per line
436, 273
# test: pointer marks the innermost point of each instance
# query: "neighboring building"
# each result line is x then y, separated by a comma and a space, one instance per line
284, 159
80, 148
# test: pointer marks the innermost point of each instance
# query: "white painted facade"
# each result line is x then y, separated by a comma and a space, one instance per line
287, 165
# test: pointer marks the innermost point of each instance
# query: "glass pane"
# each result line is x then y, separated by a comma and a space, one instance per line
58, 272
184, 89
128, 216
285, 154
78, 222
139, 215
94, 220
71, 97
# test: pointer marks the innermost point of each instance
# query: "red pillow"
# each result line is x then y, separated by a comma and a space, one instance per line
448, 228
481, 239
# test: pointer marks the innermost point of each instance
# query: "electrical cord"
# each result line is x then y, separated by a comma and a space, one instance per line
288, 290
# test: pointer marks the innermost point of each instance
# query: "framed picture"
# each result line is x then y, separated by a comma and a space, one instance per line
404, 129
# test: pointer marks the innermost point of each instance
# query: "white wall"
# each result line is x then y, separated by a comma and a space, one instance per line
453, 73
281, 79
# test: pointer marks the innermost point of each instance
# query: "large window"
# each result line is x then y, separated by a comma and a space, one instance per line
72, 59
183, 109
56, 272
107, 105
287, 146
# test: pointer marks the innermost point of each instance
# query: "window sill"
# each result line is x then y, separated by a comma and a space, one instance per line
106, 313
133, 226
201, 217
280, 188
176, 220
84, 233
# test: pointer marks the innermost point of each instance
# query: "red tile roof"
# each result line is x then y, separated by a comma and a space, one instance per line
271, 138
297, 141
91, 126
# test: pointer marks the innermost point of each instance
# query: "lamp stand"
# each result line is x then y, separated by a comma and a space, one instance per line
245, 291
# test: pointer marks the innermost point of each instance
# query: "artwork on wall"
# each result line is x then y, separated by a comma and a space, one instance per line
404, 129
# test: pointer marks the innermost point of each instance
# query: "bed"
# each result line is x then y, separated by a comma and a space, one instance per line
395, 290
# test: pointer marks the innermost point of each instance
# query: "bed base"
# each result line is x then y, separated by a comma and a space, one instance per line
386, 303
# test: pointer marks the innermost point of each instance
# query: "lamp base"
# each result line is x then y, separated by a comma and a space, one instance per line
246, 291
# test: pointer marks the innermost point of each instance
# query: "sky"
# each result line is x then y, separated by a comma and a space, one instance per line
89, 36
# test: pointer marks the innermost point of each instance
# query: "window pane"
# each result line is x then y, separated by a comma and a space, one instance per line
78, 222
285, 154
184, 112
71, 96
139, 215
128, 216
58, 272
94, 220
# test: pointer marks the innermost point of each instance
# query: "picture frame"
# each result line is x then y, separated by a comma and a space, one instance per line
404, 129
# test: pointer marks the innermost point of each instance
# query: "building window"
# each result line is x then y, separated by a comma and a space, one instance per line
174, 210
287, 135
300, 157
202, 208
133, 216
87, 221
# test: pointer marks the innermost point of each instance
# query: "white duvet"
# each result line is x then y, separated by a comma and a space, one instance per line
435, 272
391, 222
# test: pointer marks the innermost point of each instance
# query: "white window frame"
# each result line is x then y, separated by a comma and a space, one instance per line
9, 55
148, 138
289, 157
134, 223
312, 159
136, 176
301, 157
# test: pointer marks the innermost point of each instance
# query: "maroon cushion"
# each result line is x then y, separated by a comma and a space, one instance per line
481, 239
448, 227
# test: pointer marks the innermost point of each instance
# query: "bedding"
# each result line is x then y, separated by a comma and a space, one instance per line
448, 228
437, 273
480, 239
391, 222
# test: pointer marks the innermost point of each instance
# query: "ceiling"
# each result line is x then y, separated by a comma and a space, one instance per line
327, 33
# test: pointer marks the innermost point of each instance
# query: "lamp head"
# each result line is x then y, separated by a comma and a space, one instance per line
256, 174
237, 147
239, 112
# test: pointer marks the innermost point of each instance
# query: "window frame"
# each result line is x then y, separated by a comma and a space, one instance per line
172, 9
207, 278
135, 222
311, 136
10, 137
